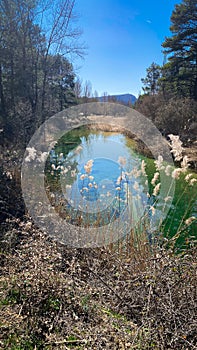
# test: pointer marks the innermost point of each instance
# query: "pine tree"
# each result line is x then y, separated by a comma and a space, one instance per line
150, 83
179, 76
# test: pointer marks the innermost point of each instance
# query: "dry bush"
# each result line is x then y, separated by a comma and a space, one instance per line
53, 297
149, 104
177, 116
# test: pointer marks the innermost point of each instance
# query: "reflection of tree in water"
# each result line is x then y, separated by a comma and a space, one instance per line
59, 164
55, 164
62, 165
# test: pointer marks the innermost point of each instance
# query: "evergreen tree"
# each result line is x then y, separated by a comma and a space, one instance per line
150, 83
179, 74
60, 83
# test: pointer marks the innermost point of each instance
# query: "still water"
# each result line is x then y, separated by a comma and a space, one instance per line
95, 177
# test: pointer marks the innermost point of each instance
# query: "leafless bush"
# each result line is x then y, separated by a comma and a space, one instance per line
177, 116
57, 298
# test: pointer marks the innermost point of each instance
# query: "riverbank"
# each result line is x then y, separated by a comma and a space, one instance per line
140, 147
56, 298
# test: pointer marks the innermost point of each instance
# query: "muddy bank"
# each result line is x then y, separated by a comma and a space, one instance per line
140, 147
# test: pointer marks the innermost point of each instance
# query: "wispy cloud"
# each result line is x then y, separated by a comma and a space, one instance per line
148, 21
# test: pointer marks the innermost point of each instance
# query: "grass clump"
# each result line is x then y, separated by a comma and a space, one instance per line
138, 293
57, 298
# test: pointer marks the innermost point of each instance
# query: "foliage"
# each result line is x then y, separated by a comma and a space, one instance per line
11, 202
176, 116
36, 77
179, 75
149, 104
151, 81
171, 90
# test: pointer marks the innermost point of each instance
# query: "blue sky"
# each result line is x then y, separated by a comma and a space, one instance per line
123, 38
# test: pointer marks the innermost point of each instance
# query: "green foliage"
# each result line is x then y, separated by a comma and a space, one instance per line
151, 81
179, 74
171, 91
14, 342
51, 304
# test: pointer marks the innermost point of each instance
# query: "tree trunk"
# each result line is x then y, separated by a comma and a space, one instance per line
2, 99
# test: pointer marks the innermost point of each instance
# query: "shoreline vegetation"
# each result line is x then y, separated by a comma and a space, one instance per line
55, 297
140, 147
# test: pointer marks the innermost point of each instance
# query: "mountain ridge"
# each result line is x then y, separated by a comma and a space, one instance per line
122, 98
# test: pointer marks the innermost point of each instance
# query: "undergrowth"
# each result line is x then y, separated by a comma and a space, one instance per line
58, 298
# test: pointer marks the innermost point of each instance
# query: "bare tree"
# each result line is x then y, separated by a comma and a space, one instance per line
105, 96
78, 88
96, 94
87, 90
37, 44
57, 20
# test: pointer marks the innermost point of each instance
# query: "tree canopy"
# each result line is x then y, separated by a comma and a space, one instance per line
36, 76
180, 72
151, 81
170, 98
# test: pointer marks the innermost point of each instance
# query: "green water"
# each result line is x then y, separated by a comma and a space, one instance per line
100, 189
184, 206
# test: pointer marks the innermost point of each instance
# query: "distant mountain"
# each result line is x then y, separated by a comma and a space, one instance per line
125, 98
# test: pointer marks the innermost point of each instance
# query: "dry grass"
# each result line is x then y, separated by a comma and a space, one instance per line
133, 296
57, 298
